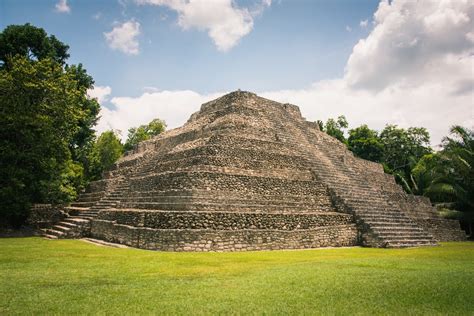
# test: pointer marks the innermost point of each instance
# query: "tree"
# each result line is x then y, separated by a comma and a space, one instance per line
106, 151
32, 43
46, 121
425, 172
335, 128
143, 132
38, 119
365, 143
453, 176
402, 149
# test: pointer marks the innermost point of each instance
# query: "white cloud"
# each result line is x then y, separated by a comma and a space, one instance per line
348, 28
364, 23
223, 20
99, 92
403, 73
123, 37
413, 42
62, 7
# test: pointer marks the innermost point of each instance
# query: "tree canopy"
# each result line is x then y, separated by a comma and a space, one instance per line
335, 127
402, 149
39, 118
32, 43
46, 123
143, 132
106, 151
365, 143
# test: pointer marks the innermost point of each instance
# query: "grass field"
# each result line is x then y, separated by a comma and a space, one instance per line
39, 276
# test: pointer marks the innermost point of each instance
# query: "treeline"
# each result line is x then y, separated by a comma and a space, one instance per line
445, 176
49, 150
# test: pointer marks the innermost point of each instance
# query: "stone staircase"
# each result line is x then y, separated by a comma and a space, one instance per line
381, 221
84, 210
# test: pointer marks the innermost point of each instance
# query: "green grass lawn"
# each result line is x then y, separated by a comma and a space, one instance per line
39, 276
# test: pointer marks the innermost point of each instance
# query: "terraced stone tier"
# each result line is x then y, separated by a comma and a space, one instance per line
225, 231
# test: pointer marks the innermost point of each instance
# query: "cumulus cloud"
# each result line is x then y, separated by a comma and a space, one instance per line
364, 23
62, 7
100, 92
123, 37
414, 42
413, 69
223, 20
348, 28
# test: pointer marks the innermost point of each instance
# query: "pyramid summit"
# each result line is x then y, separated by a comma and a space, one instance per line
248, 173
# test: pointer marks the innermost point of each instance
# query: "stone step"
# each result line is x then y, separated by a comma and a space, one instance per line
382, 216
400, 238
88, 217
61, 228
54, 232
82, 204
76, 220
392, 216
71, 225
402, 235
90, 213
396, 228
410, 244
75, 208
49, 236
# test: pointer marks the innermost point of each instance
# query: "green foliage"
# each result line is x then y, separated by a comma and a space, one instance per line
424, 172
35, 273
39, 118
402, 149
81, 143
365, 143
46, 121
32, 43
106, 151
335, 128
64, 183
143, 132
452, 176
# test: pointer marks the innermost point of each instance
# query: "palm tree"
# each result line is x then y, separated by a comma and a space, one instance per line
453, 176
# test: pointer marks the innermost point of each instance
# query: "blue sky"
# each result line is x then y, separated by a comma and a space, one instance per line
403, 62
292, 44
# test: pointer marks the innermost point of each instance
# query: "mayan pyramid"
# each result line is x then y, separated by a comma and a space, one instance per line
248, 173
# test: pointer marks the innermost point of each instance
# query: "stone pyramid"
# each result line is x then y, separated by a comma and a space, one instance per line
248, 173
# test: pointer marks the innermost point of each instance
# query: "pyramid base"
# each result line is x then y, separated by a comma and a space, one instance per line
331, 231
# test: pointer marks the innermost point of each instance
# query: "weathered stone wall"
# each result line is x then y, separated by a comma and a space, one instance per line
239, 239
443, 229
45, 215
225, 220
229, 182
